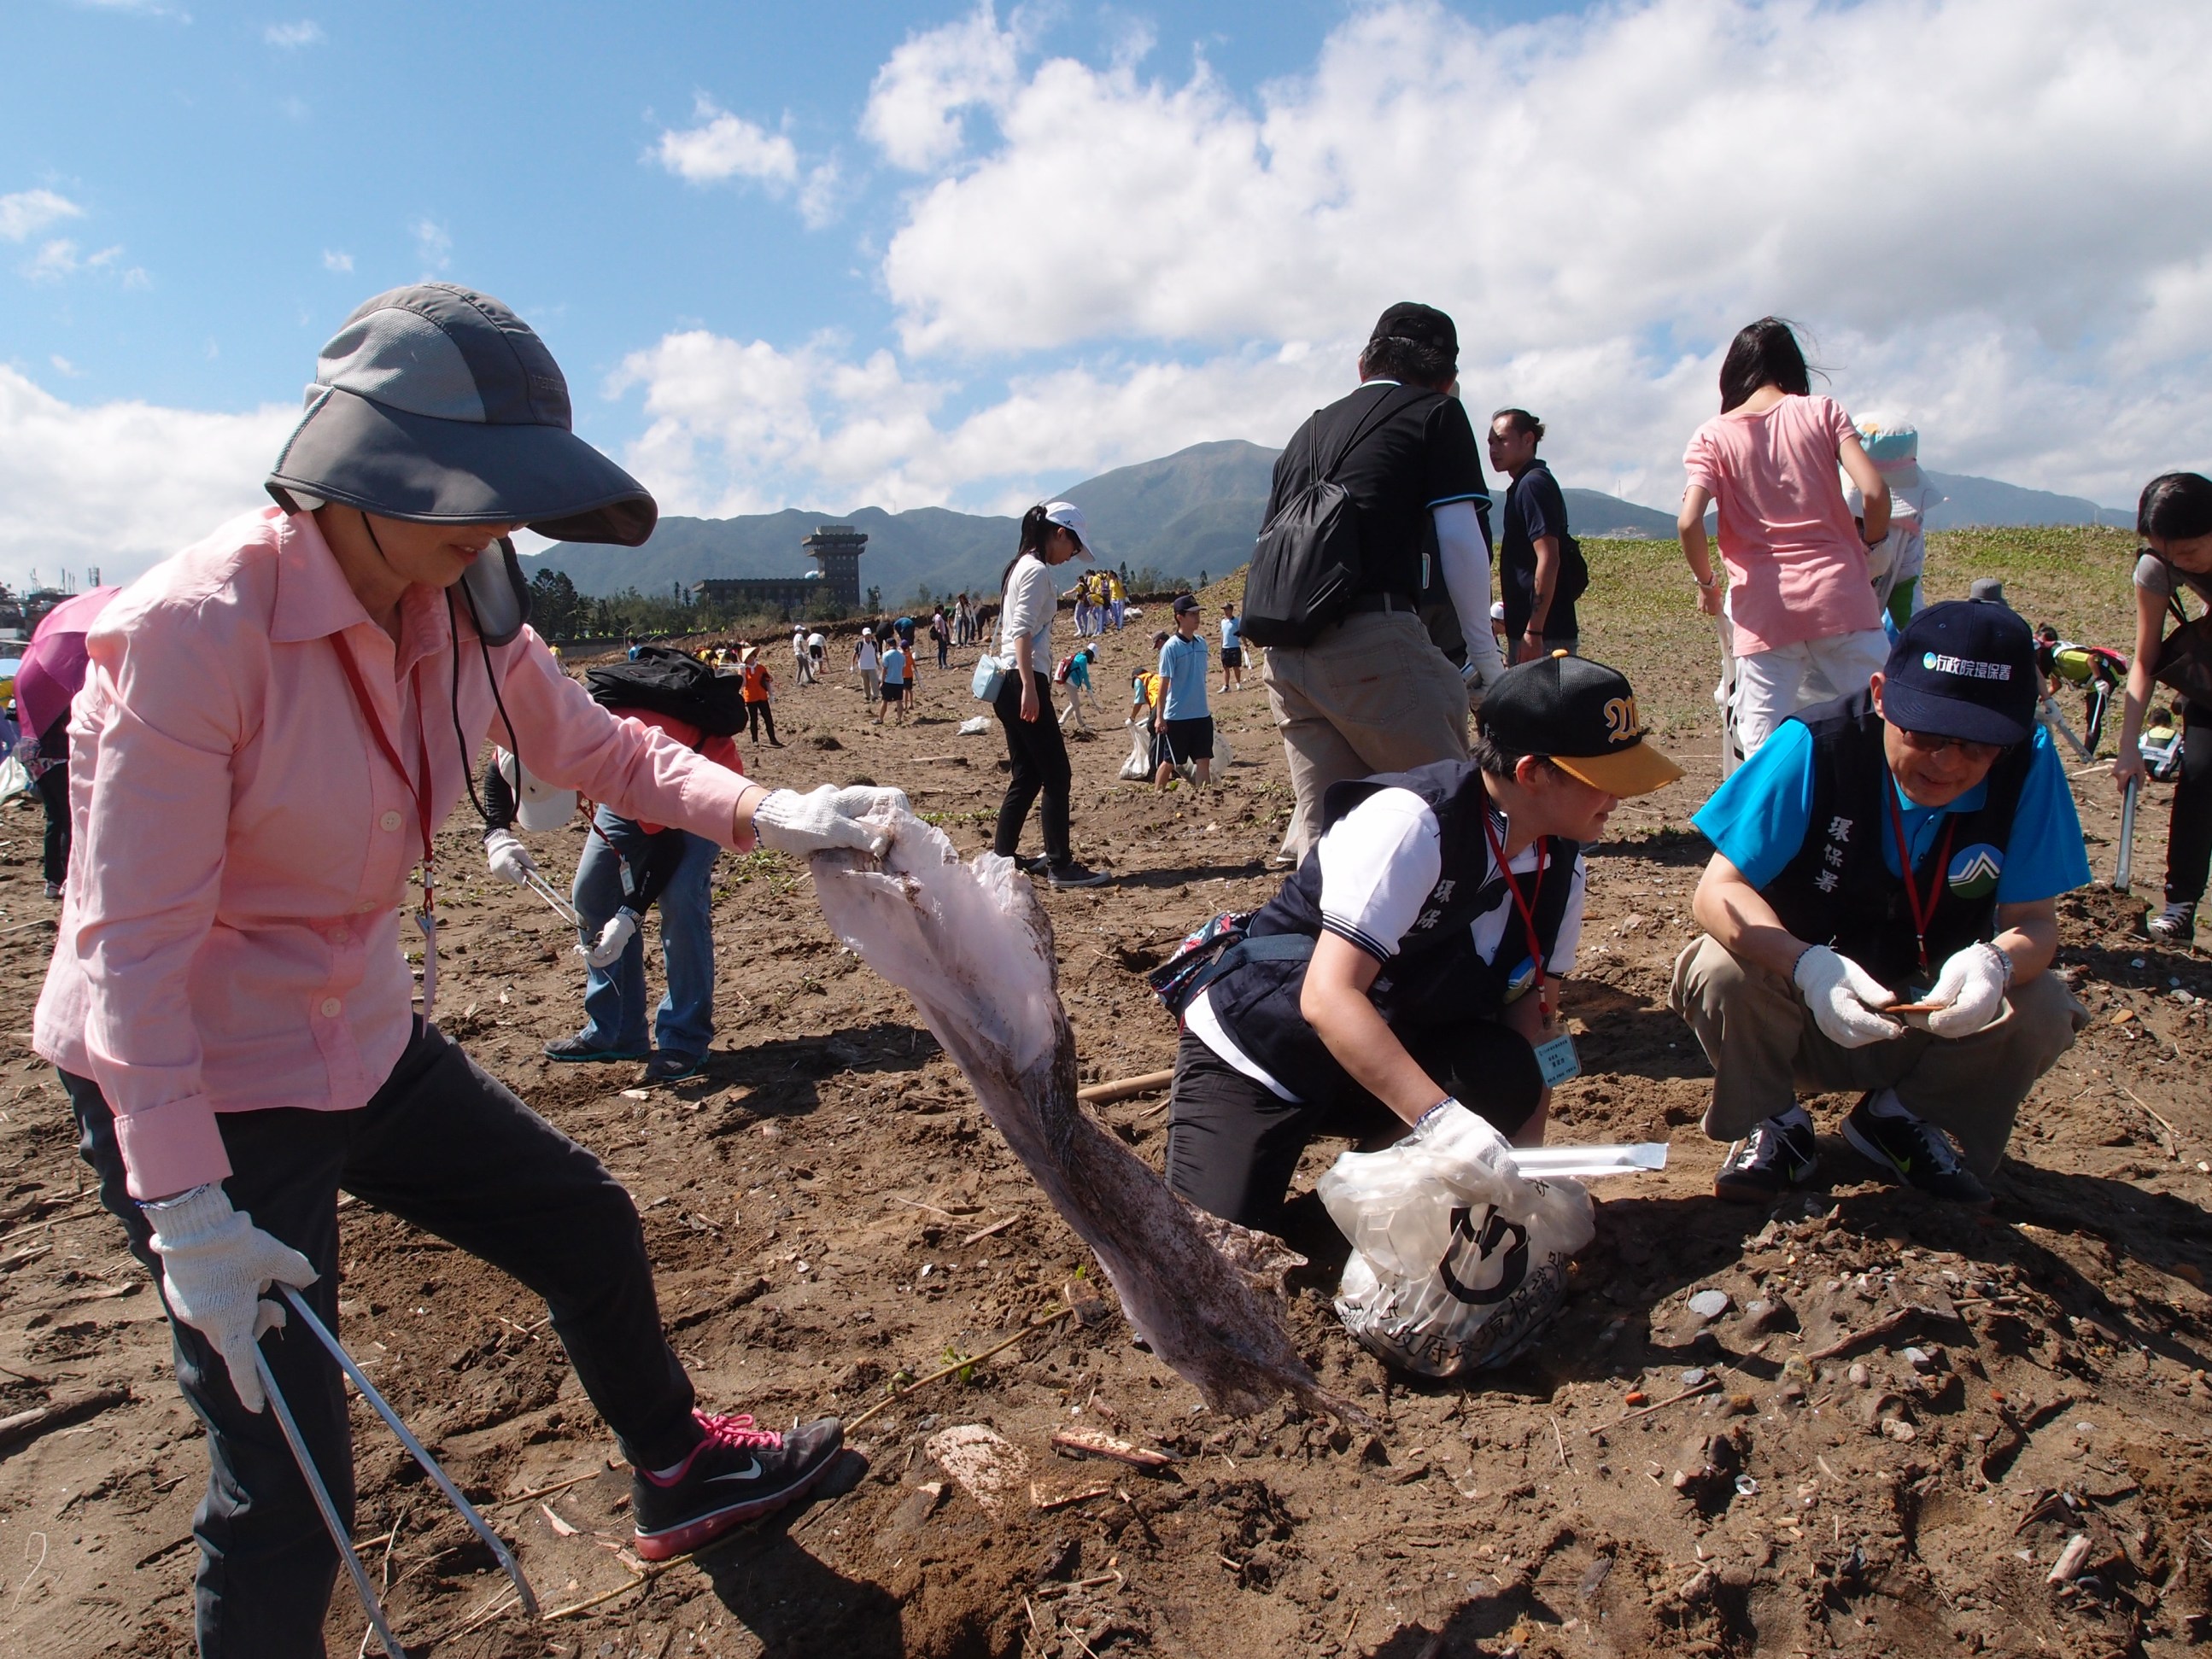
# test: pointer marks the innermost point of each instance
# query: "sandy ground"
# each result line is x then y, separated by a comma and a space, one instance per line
832, 1217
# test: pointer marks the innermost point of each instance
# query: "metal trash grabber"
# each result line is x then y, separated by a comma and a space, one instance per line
322, 1495
360, 1380
544, 889
2056, 722
2127, 866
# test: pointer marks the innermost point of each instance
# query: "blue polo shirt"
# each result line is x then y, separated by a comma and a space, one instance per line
1757, 820
1185, 665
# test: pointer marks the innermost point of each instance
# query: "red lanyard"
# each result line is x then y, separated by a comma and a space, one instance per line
421, 796
1920, 918
1519, 904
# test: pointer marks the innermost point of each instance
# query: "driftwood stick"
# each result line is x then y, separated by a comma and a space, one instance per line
59, 1414
1882, 1326
940, 1375
1098, 1094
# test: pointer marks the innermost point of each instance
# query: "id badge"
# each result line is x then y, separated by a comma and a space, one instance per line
428, 924
1558, 1060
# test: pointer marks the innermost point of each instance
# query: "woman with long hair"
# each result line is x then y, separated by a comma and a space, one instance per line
1800, 598
276, 721
1051, 534
2174, 519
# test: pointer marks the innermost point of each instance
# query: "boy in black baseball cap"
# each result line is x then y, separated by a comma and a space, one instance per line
1412, 964
1833, 963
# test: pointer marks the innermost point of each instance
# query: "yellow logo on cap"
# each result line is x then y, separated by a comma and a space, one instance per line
1621, 724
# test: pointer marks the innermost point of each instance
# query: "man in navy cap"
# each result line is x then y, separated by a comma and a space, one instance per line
1832, 961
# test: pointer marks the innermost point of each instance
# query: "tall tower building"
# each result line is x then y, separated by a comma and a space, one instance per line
835, 549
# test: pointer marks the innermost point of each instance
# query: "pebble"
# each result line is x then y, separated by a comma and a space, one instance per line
1709, 1304
1858, 1375
1919, 1358
1694, 1376
1897, 1429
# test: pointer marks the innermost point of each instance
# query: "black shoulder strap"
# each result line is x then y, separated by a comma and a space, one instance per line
1367, 423
2173, 591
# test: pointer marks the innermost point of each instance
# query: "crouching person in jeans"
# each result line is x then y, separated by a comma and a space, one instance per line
1815, 925
1412, 964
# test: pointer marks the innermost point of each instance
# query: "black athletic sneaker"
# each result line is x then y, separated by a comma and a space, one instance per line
1774, 1157
2174, 925
737, 1473
669, 1066
1920, 1154
576, 1049
1073, 874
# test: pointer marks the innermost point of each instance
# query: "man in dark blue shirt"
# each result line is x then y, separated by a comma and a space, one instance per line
1533, 553
1881, 916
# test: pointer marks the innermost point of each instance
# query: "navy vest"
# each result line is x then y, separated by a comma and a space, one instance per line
1437, 979
1837, 891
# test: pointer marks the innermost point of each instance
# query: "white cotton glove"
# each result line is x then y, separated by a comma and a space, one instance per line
1972, 988
509, 858
216, 1263
1844, 997
1484, 664
827, 817
614, 938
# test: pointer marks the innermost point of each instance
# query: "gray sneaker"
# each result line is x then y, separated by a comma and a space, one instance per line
1918, 1154
2174, 925
1073, 874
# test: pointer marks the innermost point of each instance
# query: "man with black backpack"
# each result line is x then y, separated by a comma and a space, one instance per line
1362, 492
1539, 565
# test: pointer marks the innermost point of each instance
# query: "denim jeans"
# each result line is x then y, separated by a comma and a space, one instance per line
614, 997
447, 1148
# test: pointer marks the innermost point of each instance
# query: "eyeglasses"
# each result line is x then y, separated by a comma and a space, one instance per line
1928, 742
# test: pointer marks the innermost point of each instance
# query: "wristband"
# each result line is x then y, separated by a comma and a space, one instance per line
1707, 585
174, 1199
2004, 960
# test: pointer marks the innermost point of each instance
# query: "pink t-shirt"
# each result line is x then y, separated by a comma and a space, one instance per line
1797, 569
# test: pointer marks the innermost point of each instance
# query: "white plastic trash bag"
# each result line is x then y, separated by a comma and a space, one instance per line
1458, 1257
976, 727
1138, 766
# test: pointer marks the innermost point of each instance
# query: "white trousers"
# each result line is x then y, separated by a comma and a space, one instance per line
1772, 685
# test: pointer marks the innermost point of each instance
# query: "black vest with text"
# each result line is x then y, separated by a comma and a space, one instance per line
1837, 891
1437, 979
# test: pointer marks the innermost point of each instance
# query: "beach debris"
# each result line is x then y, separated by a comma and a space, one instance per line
1092, 1442
1709, 1305
985, 1464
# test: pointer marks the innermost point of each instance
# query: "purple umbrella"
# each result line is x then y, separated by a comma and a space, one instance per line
54, 662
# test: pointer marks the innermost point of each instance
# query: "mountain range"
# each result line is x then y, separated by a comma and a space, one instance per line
1189, 514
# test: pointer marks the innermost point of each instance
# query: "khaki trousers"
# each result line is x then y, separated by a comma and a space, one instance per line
1372, 694
1766, 1049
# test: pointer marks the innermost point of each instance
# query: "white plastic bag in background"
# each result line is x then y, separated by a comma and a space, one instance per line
1138, 766
1457, 1258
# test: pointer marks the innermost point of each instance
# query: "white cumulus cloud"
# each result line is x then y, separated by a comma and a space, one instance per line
726, 146
434, 244
917, 105
1623, 188
26, 212
120, 484
336, 262
290, 37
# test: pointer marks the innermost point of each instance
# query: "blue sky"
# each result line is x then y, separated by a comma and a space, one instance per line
839, 255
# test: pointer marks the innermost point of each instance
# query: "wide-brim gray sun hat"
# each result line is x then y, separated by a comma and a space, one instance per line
440, 405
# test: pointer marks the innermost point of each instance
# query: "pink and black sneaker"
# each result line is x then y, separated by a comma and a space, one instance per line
736, 1473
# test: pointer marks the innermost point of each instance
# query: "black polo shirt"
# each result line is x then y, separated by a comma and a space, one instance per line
1534, 507
1411, 461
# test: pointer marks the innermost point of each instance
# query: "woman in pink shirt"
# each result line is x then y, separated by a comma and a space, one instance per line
1801, 599
274, 721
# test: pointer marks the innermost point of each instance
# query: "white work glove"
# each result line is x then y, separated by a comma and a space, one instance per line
509, 858
1844, 997
614, 938
216, 1263
1972, 988
825, 818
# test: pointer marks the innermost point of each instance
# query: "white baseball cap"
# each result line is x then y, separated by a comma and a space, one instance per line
1069, 517
538, 805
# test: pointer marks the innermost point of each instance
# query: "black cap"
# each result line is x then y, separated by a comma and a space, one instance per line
1581, 716
1424, 325
1185, 602
1963, 669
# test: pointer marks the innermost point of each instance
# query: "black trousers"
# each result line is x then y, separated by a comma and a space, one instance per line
52, 785
448, 1148
2188, 832
1039, 755
1234, 1143
758, 713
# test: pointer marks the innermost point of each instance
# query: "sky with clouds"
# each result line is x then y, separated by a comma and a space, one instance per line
962, 254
